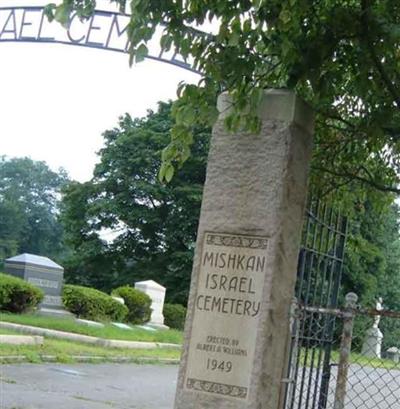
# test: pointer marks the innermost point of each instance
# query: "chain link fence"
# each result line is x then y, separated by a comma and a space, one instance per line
344, 358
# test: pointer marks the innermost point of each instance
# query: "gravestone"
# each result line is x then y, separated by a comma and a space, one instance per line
43, 273
146, 328
89, 323
372, 345
157, 294
237, 328
393, 354
121, 325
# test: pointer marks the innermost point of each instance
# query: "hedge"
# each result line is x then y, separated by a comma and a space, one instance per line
92, 304
138, 303
17, 295
174, 316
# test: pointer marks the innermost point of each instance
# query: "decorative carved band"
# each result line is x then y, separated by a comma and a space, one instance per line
219, 388
237, 241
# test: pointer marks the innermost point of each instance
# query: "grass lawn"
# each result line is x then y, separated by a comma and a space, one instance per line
109, 331
4, 331
355, 359
64, 351
358, 359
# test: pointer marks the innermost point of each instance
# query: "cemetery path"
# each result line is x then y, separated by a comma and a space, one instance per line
87, 386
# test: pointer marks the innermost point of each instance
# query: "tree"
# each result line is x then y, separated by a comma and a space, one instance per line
29, 195
342, 57
90, 262
372, 266
154, 225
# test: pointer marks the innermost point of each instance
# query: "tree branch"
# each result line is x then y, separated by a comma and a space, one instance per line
355, 176
365, 19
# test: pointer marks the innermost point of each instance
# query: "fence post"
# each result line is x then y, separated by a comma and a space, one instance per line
292, 352
345, 350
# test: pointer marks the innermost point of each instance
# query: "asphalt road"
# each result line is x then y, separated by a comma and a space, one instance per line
100, 386
130, 386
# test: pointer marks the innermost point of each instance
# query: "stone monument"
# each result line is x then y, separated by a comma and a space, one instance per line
372, 345
43, 273
237, 328
393, 353
157, 294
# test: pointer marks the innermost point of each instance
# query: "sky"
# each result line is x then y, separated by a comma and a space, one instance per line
56, 100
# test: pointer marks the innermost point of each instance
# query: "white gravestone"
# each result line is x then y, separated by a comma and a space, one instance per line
393, 353
372, 345
118, 299
89, 323
157, 294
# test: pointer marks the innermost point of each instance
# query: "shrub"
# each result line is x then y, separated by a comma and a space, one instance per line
138, 303
92, 304
174, 315
17, 295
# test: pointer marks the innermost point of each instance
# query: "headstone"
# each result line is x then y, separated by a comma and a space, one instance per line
118, 299
244, 270
146, 328
393, 353
121, 325
157, 294
43, 273
89, 323
372, 345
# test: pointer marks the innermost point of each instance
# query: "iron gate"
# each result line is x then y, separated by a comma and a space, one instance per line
365, 364
319, 274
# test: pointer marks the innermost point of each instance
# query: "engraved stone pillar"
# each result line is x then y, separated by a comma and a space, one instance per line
245, 261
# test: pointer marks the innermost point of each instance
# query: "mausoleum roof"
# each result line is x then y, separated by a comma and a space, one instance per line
27, 258
150, 283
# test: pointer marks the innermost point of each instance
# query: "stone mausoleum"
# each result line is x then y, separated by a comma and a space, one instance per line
43, 273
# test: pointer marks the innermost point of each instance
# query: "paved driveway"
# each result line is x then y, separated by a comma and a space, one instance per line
130, 386
102, 386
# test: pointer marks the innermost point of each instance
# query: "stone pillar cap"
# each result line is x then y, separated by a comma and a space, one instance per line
277, 104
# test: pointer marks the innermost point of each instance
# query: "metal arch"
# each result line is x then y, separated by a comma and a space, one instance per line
16, 30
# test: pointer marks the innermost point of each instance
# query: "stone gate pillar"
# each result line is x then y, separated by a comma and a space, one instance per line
245, 261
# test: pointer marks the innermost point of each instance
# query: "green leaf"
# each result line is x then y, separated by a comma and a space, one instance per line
169, 173
185, 115
62, 14
162, 171
285, 16
141, 53
166, 42
49, 11
234, 39
255, 98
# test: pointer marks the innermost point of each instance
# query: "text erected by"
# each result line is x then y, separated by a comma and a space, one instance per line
226, 312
